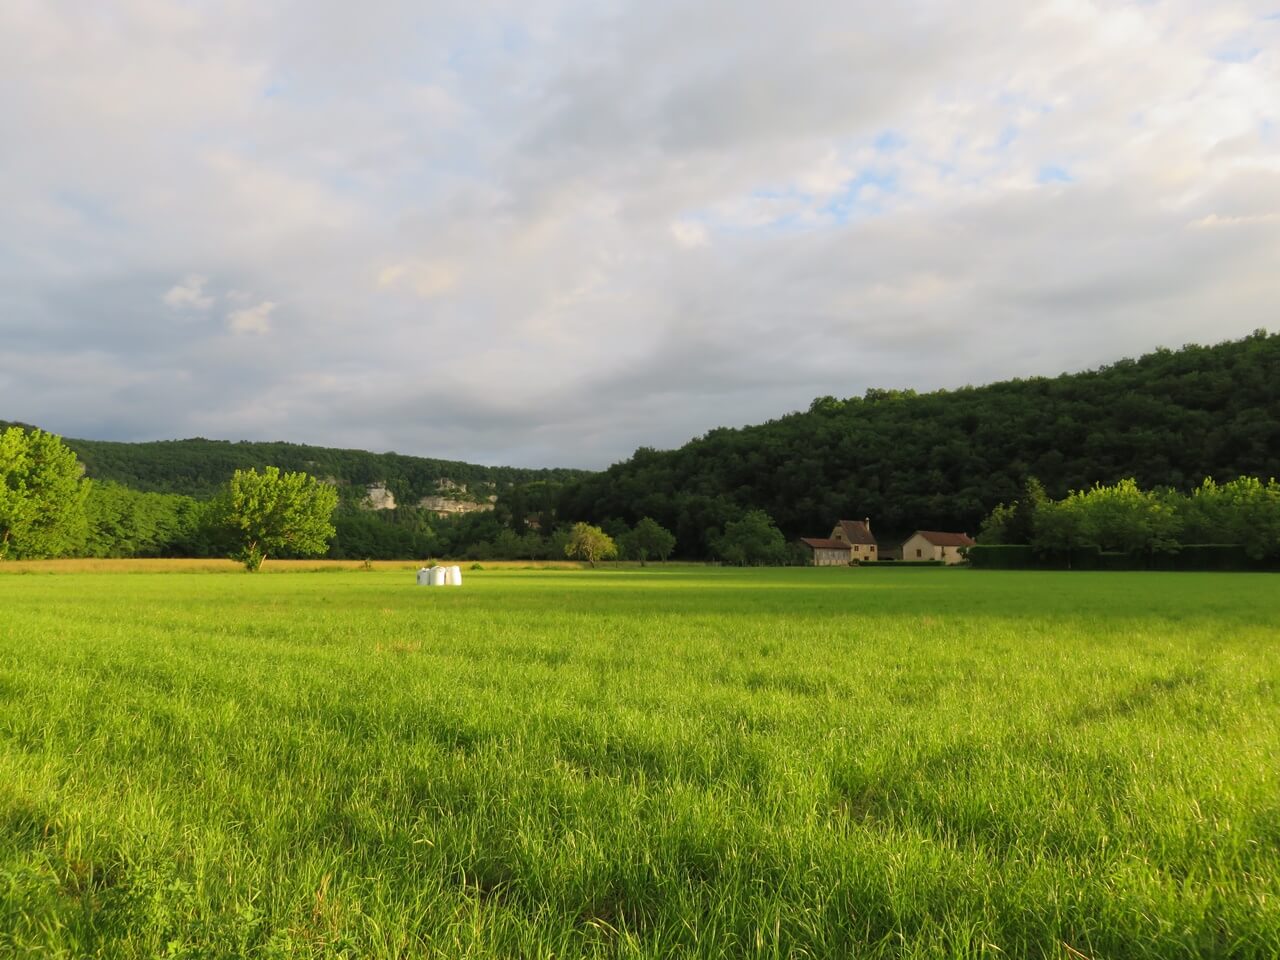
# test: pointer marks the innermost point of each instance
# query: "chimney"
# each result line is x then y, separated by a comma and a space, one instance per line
867, 523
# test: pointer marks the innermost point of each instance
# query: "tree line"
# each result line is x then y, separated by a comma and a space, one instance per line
944, 460
48, 508
198, 468
1242, 516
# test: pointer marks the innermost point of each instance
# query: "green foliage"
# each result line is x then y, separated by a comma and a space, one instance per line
694, 763
1015, 523
127, 523
41, 495
1124, 527
199, 467
1245, 511
648, 539
400, 534
944, 460
589, 543
1190, 558
751, 541
1121, 518
997, 528
271, 513
1005, 556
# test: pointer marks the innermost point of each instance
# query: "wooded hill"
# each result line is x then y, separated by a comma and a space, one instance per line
198, 467
940, 460
943, 460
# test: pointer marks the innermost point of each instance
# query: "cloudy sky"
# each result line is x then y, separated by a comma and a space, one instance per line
546, 232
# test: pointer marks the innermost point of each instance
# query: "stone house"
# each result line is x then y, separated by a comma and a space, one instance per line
828, 553
851, 541
935, 545
857, 534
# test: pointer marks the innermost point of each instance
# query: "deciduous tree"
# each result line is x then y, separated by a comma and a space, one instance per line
272, 512
41, 495
589, 543
752, 540
651, 539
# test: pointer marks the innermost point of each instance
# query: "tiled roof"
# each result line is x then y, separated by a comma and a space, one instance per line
855, 531
821, 544
940, 539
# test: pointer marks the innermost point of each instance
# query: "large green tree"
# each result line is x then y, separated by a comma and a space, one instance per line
41, 495
752, 540
271, 512
649, 539
590, 543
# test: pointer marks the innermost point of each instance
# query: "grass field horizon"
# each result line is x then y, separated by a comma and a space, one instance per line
673, 761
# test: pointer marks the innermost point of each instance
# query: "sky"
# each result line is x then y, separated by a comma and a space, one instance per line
547, 232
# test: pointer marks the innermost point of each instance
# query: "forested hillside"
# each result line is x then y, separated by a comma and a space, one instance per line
943, 460
940, 460
198, 467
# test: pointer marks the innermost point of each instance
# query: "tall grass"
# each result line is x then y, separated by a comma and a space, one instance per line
685, 762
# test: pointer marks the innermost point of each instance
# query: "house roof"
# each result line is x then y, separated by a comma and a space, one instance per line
941, 539
856, 531
818, 543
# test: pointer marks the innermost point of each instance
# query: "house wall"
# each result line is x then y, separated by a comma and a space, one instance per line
830, 558
918, 548
862, 552
928, 551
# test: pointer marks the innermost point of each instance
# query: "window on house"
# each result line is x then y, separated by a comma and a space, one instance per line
918, 553
855, 548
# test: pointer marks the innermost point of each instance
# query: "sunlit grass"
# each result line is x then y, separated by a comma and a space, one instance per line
807, 763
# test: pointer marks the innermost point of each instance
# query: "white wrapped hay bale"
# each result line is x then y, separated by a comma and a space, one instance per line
437, 576
424, 577
455, 576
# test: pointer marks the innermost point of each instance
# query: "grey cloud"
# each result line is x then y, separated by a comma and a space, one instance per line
464, 212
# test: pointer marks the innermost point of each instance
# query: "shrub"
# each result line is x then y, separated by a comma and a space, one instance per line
1003, 556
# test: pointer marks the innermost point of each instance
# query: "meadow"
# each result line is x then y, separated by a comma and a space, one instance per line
638, 763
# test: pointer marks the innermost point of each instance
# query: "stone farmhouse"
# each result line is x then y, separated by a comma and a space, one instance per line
827, 552
850, 540
857, 533
936, 545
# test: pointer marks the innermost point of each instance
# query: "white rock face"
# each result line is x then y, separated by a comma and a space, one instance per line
445, 505
379, 497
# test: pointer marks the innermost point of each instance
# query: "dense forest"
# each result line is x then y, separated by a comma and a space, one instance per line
944, 460
198, 467
152, 499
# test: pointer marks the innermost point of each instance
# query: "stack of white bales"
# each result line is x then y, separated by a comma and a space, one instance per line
439, 576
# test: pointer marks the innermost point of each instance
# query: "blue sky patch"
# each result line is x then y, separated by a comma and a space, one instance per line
1053, 173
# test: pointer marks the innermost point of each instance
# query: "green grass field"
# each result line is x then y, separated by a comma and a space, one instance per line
680, 762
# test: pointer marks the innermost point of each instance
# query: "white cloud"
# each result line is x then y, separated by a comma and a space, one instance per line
689, 233
426, 279
189, 293
509, 193
1213, 220
255, 321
